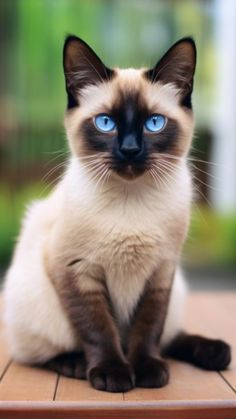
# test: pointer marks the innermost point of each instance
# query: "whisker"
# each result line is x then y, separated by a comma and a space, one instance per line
50, 185
156, 180
204, 171
188, 159
203, 196
104, 168
204, 183
160, 179
53, 170
88, 157
59, 156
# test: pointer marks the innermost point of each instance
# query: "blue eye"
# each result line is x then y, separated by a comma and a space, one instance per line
104, 123
155, 123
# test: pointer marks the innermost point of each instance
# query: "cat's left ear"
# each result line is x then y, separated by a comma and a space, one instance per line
177, 66
82, 67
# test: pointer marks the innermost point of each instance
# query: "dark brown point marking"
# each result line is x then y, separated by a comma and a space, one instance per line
81, 66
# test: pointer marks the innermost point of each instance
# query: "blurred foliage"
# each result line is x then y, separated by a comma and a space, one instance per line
12, 208
211, 241
32, 95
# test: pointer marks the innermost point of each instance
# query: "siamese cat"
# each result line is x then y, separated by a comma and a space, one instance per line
94, 289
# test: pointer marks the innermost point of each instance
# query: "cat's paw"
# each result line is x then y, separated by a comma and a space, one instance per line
112, 376
71, 364
151, 372
212, 354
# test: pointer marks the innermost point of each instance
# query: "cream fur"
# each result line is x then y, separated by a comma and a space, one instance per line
126, 228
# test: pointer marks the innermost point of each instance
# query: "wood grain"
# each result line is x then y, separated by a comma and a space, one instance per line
186, 383
4, 353
27, 392
139, 411
26, 383
216, 319
80, 390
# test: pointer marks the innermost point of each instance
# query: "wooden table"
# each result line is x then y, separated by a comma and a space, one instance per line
32, 393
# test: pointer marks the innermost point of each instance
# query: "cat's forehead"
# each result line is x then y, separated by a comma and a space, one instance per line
129, 85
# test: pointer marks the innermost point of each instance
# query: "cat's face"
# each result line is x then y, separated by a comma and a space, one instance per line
129, 122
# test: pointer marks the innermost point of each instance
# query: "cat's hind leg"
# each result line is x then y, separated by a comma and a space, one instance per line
209, 354
69, 364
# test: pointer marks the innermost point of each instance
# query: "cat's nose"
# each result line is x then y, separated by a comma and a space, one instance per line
129, 147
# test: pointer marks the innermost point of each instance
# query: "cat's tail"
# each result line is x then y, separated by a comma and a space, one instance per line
209, 354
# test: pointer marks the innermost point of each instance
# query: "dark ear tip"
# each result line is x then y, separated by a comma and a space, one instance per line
188, 40
69, 41
73, 38
70, 38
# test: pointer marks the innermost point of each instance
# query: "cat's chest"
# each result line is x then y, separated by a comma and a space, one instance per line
125, 246
128, 253
128, 260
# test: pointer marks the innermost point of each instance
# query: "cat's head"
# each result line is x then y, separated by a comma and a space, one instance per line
129, 122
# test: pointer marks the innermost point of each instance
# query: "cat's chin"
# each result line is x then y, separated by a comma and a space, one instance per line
129, 172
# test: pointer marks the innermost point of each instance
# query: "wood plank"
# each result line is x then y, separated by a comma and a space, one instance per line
217, 319
4, 353
81, 390
210, 314
204, 315
168, 410
205, 386
27, 383
186, 383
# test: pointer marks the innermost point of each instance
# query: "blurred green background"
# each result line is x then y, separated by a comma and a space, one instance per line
124, 33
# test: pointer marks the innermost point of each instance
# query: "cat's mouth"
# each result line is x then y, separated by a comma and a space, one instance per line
129, 171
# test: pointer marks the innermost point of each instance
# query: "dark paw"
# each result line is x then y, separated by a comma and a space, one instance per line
72, 364
212, 354
151, 372
114, 377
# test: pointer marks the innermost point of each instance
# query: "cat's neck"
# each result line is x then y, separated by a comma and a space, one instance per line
80, 187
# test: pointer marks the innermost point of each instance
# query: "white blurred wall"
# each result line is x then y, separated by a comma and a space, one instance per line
224, 123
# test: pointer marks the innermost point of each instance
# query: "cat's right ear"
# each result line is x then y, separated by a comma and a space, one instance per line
177, 66
82, 67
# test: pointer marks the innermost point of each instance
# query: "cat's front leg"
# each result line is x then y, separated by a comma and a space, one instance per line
147, 327
85, 299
